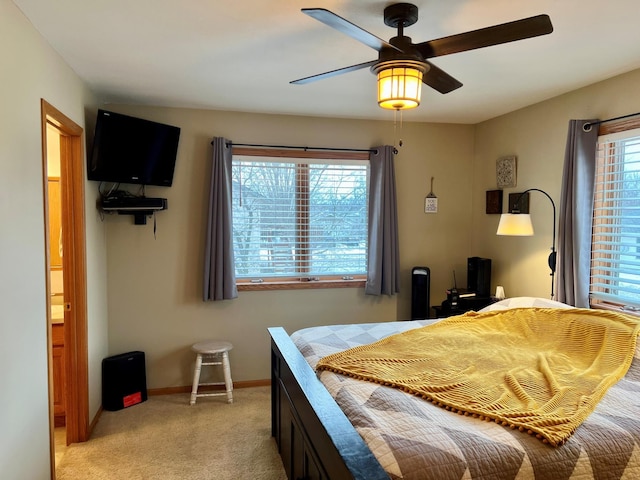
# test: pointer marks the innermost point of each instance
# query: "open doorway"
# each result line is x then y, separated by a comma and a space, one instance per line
63, 188
56, 287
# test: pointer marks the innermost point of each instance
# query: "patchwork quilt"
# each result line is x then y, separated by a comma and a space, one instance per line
414, 439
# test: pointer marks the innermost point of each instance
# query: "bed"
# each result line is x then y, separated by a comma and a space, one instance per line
331, 426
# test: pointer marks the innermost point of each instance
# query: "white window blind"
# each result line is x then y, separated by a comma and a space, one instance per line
299, 218
615, 259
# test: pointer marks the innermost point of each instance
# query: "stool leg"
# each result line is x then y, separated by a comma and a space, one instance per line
227, 376
196, 379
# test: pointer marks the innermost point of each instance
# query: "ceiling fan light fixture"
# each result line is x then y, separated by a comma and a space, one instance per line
399, 83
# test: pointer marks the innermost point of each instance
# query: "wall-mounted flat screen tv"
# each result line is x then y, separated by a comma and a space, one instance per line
132, 150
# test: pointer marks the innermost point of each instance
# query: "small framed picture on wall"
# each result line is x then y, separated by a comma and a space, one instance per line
519, 202
494, 201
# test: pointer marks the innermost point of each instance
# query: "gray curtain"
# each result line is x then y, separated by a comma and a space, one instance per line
383, 275
576, 211
219, 269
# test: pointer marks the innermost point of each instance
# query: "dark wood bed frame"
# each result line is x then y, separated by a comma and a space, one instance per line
315, 439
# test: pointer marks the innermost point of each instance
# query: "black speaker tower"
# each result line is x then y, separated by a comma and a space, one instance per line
479, 276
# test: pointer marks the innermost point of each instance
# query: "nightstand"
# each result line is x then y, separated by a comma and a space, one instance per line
465, 304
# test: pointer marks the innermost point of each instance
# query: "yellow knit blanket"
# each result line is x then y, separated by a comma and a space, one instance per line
540, 370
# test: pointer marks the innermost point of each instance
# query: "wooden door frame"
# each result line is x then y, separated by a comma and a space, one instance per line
74, 276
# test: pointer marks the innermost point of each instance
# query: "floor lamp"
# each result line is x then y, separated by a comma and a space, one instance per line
519, 224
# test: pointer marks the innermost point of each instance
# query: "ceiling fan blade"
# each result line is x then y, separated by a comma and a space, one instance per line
332, 73
345, 26
440, 80
486, 37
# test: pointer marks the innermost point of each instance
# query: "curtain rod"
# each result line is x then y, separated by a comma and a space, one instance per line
587, 126
370, 150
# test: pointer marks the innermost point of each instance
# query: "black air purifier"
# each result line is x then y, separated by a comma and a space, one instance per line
124, 381
420, 291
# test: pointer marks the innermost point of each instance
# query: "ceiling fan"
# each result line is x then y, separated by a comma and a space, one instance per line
399, 51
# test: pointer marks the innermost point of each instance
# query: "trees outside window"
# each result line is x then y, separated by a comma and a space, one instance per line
299, 219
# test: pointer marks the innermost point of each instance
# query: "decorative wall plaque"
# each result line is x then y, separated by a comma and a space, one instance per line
506, 172
494, 201
519, 202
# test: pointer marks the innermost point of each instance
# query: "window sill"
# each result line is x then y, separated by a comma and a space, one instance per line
298, 285
615, 308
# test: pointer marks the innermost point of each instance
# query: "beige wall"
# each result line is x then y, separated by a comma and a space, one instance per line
155, 284
537, 135
32, 70
164, 317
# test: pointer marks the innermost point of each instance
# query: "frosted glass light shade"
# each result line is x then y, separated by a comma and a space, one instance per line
399, 84
518, 224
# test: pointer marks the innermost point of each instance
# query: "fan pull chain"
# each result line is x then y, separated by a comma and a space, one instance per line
395, 136
395, 132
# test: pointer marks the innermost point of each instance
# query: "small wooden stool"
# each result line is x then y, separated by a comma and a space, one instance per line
212, 352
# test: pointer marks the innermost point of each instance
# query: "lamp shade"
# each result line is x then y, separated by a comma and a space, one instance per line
518, 224
399, 84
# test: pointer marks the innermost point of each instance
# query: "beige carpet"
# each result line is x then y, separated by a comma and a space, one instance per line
165, 438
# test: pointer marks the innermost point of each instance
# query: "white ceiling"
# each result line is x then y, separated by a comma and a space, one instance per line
240, 55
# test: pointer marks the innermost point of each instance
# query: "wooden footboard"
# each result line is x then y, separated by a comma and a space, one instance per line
315, 439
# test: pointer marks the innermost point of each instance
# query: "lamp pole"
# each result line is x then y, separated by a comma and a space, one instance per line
553, 254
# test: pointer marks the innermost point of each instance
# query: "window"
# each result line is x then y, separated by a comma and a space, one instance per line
299, 217
615, 257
